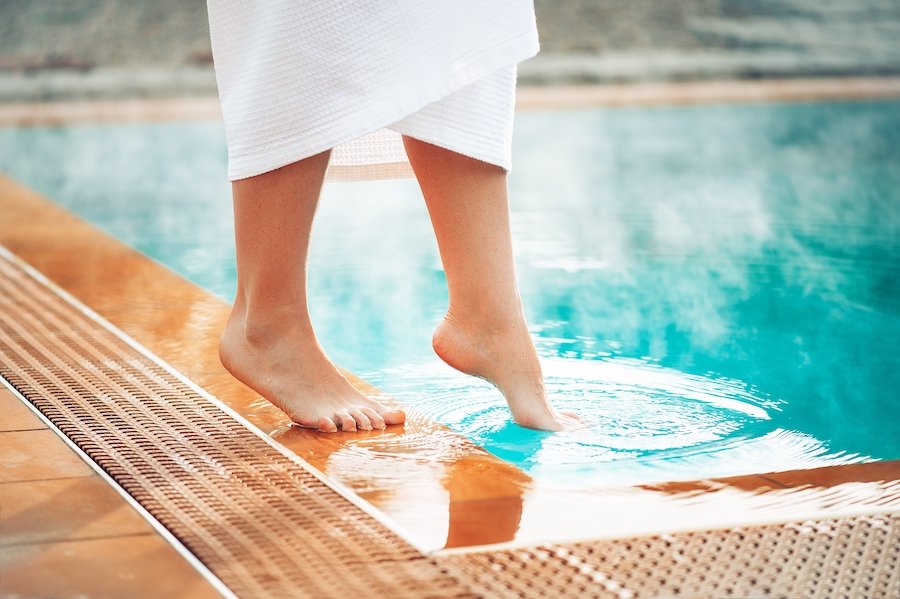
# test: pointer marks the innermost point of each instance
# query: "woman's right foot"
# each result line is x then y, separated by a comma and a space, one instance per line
285, 364
501, 351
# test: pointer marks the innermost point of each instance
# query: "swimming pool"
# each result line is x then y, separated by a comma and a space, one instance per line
714, 287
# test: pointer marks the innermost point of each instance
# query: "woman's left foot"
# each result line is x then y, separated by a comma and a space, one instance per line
503, 354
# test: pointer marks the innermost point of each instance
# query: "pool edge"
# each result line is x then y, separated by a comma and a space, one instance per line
205, 107
29, 236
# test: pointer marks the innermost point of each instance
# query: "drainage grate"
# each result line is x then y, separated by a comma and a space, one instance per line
261, 523
850, 557
267, 527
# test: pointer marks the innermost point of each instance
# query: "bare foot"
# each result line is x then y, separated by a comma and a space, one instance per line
503, 354
284, 363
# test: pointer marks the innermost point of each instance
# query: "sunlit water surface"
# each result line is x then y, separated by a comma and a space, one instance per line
714, 288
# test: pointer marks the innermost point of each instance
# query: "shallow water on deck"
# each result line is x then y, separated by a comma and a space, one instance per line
715, 288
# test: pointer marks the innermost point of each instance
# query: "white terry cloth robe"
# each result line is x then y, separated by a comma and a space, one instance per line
298, 77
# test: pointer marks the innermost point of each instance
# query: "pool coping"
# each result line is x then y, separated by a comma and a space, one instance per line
528, 97
168, 315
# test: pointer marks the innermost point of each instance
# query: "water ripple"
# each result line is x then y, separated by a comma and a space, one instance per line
647, 422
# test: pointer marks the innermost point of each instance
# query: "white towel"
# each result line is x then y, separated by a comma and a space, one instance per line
298, 77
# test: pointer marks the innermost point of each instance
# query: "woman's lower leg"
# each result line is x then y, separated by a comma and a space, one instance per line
484, 332
269, 342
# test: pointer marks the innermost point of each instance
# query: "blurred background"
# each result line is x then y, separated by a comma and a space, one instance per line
79, 49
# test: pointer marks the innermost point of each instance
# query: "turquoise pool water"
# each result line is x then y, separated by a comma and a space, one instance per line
714, 287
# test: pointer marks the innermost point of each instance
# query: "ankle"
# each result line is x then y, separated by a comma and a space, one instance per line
258, 325
486, 318
264, 302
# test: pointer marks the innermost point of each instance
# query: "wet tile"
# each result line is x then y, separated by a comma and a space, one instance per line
16, 415
483, 522
37, 455
837, 475
65, 509
479, 475
134, 566
752, 483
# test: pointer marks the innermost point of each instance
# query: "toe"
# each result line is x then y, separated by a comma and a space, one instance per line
326, 425
348, 424
362, 421
374, 417
574, 421
393, 416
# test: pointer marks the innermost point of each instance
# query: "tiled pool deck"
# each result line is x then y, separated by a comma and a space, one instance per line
446, 500
66, 531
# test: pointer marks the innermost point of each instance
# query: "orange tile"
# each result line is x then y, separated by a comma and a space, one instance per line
134, 567
483, 521
752, 483
65, 509
16, 415
838, 475
37, 455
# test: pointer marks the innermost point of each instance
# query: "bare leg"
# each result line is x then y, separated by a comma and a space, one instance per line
484, 331
269, 343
